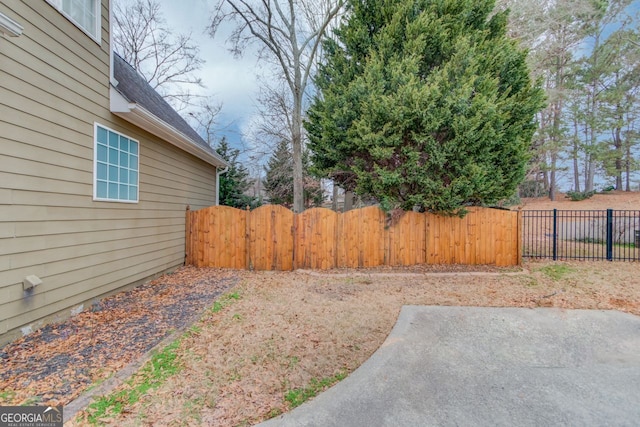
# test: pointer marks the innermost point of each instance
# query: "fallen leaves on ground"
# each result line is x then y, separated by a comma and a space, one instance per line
288, 329
53, 365
284, 331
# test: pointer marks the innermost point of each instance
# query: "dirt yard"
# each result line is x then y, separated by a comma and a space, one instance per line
287, 329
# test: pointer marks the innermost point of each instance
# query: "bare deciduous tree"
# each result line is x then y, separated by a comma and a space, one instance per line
204, 117
289, 34
167, 61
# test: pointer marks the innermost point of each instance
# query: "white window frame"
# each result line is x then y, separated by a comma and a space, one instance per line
97, 126
57, 4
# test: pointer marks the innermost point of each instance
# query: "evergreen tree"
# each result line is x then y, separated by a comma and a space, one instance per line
424, 103
621, 102
278, 183
234, 182
279, 179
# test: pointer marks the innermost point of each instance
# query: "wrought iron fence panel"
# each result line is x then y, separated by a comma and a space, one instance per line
612, 235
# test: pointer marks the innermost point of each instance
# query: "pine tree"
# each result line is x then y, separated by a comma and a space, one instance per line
278, 183
620, 106
424, 103
234, 182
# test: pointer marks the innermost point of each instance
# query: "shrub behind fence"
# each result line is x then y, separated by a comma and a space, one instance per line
274, 238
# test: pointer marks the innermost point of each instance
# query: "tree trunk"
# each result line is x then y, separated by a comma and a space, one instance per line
552, 177
617, 140
589, 163
618, 145
591, 171
348, 201
576, 166
628, 166
296, 134
334, 198
555, 146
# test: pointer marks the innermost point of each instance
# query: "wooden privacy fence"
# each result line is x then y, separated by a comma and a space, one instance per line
274, 238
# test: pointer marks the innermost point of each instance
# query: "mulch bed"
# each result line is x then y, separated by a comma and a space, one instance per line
53, 365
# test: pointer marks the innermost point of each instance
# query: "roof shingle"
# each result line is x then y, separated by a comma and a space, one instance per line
136, 89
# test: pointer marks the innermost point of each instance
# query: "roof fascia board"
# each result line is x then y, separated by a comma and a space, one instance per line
139, 116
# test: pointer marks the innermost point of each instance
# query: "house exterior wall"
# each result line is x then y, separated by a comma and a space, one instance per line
54, 85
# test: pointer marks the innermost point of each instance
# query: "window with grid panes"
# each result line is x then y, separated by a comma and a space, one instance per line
115, 166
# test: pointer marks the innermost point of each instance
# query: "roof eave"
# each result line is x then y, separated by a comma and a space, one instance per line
139, 116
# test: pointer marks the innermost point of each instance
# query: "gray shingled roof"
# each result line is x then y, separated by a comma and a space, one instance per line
136, 89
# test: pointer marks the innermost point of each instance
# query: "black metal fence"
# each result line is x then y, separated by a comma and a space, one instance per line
581, 234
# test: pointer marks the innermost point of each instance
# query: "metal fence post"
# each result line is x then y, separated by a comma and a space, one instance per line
555, 234
609, 234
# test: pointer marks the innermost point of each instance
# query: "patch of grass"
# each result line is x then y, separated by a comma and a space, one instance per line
31, 401
556, 271
298, 396
595, 241
153, 374
293, 361
194, 330
234, 375
7, 395
625, 245
192, 409
274, 413
224, 301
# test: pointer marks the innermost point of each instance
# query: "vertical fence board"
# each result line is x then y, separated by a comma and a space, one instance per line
465, 246
483, 245
472, 239
316, 239
519, 231
201, 219
433, 239
460, 226
187, 237
195, 233
407, 240
499, 231
373, 234
362, 242
271, 238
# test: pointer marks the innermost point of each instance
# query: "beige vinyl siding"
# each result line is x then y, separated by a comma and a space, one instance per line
54, 85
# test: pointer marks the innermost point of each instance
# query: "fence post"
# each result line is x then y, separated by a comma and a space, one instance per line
609, 234
519, 237
247, 237
187, 237
555, 234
